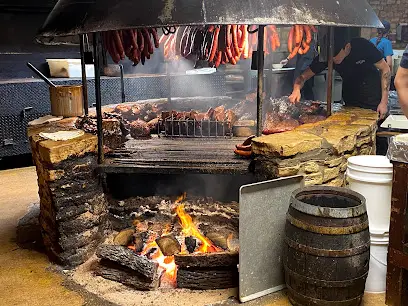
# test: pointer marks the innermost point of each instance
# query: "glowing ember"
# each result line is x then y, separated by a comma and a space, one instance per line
189, 229
165, 262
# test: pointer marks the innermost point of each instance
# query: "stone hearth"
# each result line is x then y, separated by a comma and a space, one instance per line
75, 217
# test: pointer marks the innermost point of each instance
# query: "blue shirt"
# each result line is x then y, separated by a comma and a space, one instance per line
384, 46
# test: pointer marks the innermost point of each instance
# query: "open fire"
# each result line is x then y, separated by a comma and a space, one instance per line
153, 250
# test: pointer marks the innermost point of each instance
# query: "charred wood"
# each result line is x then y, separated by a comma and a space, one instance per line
191, 244
207, 279
128, 258
126, 276
207, 260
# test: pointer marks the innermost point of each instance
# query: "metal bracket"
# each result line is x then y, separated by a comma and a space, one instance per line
8, 142
25, 110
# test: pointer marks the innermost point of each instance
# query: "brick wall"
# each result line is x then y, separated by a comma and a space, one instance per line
394, 11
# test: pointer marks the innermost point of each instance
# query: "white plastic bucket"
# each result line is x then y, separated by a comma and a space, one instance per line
371, 176
377, 275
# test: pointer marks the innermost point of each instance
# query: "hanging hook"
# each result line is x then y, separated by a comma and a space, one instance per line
169, 30
252, 31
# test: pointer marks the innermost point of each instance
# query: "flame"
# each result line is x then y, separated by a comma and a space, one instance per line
181, 198
189, 229
165, 262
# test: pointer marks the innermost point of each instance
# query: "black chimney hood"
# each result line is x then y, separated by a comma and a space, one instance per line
72, 17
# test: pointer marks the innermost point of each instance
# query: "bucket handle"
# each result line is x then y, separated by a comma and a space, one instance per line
378, 260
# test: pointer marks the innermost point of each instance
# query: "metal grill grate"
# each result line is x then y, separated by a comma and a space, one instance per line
172, 127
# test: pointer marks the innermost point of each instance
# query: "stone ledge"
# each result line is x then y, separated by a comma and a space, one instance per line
286, 144
319, 151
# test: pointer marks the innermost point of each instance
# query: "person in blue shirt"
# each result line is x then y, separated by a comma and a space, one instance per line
383, 44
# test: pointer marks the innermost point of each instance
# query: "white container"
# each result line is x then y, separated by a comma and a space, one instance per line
371, 176
69, 68
377, 274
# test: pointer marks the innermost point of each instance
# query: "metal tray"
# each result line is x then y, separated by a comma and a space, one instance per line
262, 209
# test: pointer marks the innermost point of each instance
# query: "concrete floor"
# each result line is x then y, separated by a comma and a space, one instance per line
25, 277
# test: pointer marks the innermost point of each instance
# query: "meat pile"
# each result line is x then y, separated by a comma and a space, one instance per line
279, 114
143, 118
137, 45
215, 122
282, 116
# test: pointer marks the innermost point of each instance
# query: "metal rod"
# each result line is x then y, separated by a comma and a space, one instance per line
97, 61
259, 98
168, 83
330, 53
83, 70
122, 84
42, 76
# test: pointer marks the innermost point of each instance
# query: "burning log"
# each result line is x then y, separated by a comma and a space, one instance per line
207, 260
126, 257
218, 239
124, 238
169, 245
118, 273
207, 279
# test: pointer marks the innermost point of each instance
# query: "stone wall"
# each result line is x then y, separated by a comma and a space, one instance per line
73, 208
319, 151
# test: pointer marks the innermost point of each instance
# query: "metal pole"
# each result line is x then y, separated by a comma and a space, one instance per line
97, 61
168, 83
83, 68
259, 97
122, 84
330, 78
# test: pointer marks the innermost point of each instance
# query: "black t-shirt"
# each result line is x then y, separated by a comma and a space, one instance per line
404, 60
361, 79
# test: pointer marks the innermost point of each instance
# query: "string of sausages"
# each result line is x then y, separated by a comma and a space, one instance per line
220, 44
217, 44
299, 39
136, 44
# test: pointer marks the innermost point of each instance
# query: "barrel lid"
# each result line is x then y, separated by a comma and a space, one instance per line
327, 211
371, 161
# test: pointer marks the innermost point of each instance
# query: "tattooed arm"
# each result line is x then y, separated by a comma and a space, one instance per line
385, 87
299, 83
401, 83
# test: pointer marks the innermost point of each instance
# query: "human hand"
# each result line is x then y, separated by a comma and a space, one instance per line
295, 96
382, 109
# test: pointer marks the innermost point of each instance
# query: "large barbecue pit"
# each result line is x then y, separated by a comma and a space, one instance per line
159, 205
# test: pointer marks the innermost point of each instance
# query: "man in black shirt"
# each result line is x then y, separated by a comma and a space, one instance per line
366, 76
401, 83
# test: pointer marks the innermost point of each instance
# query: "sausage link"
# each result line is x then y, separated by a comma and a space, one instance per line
214, 45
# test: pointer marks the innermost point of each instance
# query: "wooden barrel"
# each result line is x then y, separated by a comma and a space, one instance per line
327, 247
66, 101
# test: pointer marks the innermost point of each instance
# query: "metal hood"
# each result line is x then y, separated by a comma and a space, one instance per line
72, 17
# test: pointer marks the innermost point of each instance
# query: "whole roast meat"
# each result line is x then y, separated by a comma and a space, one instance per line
274, 124
139, 129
